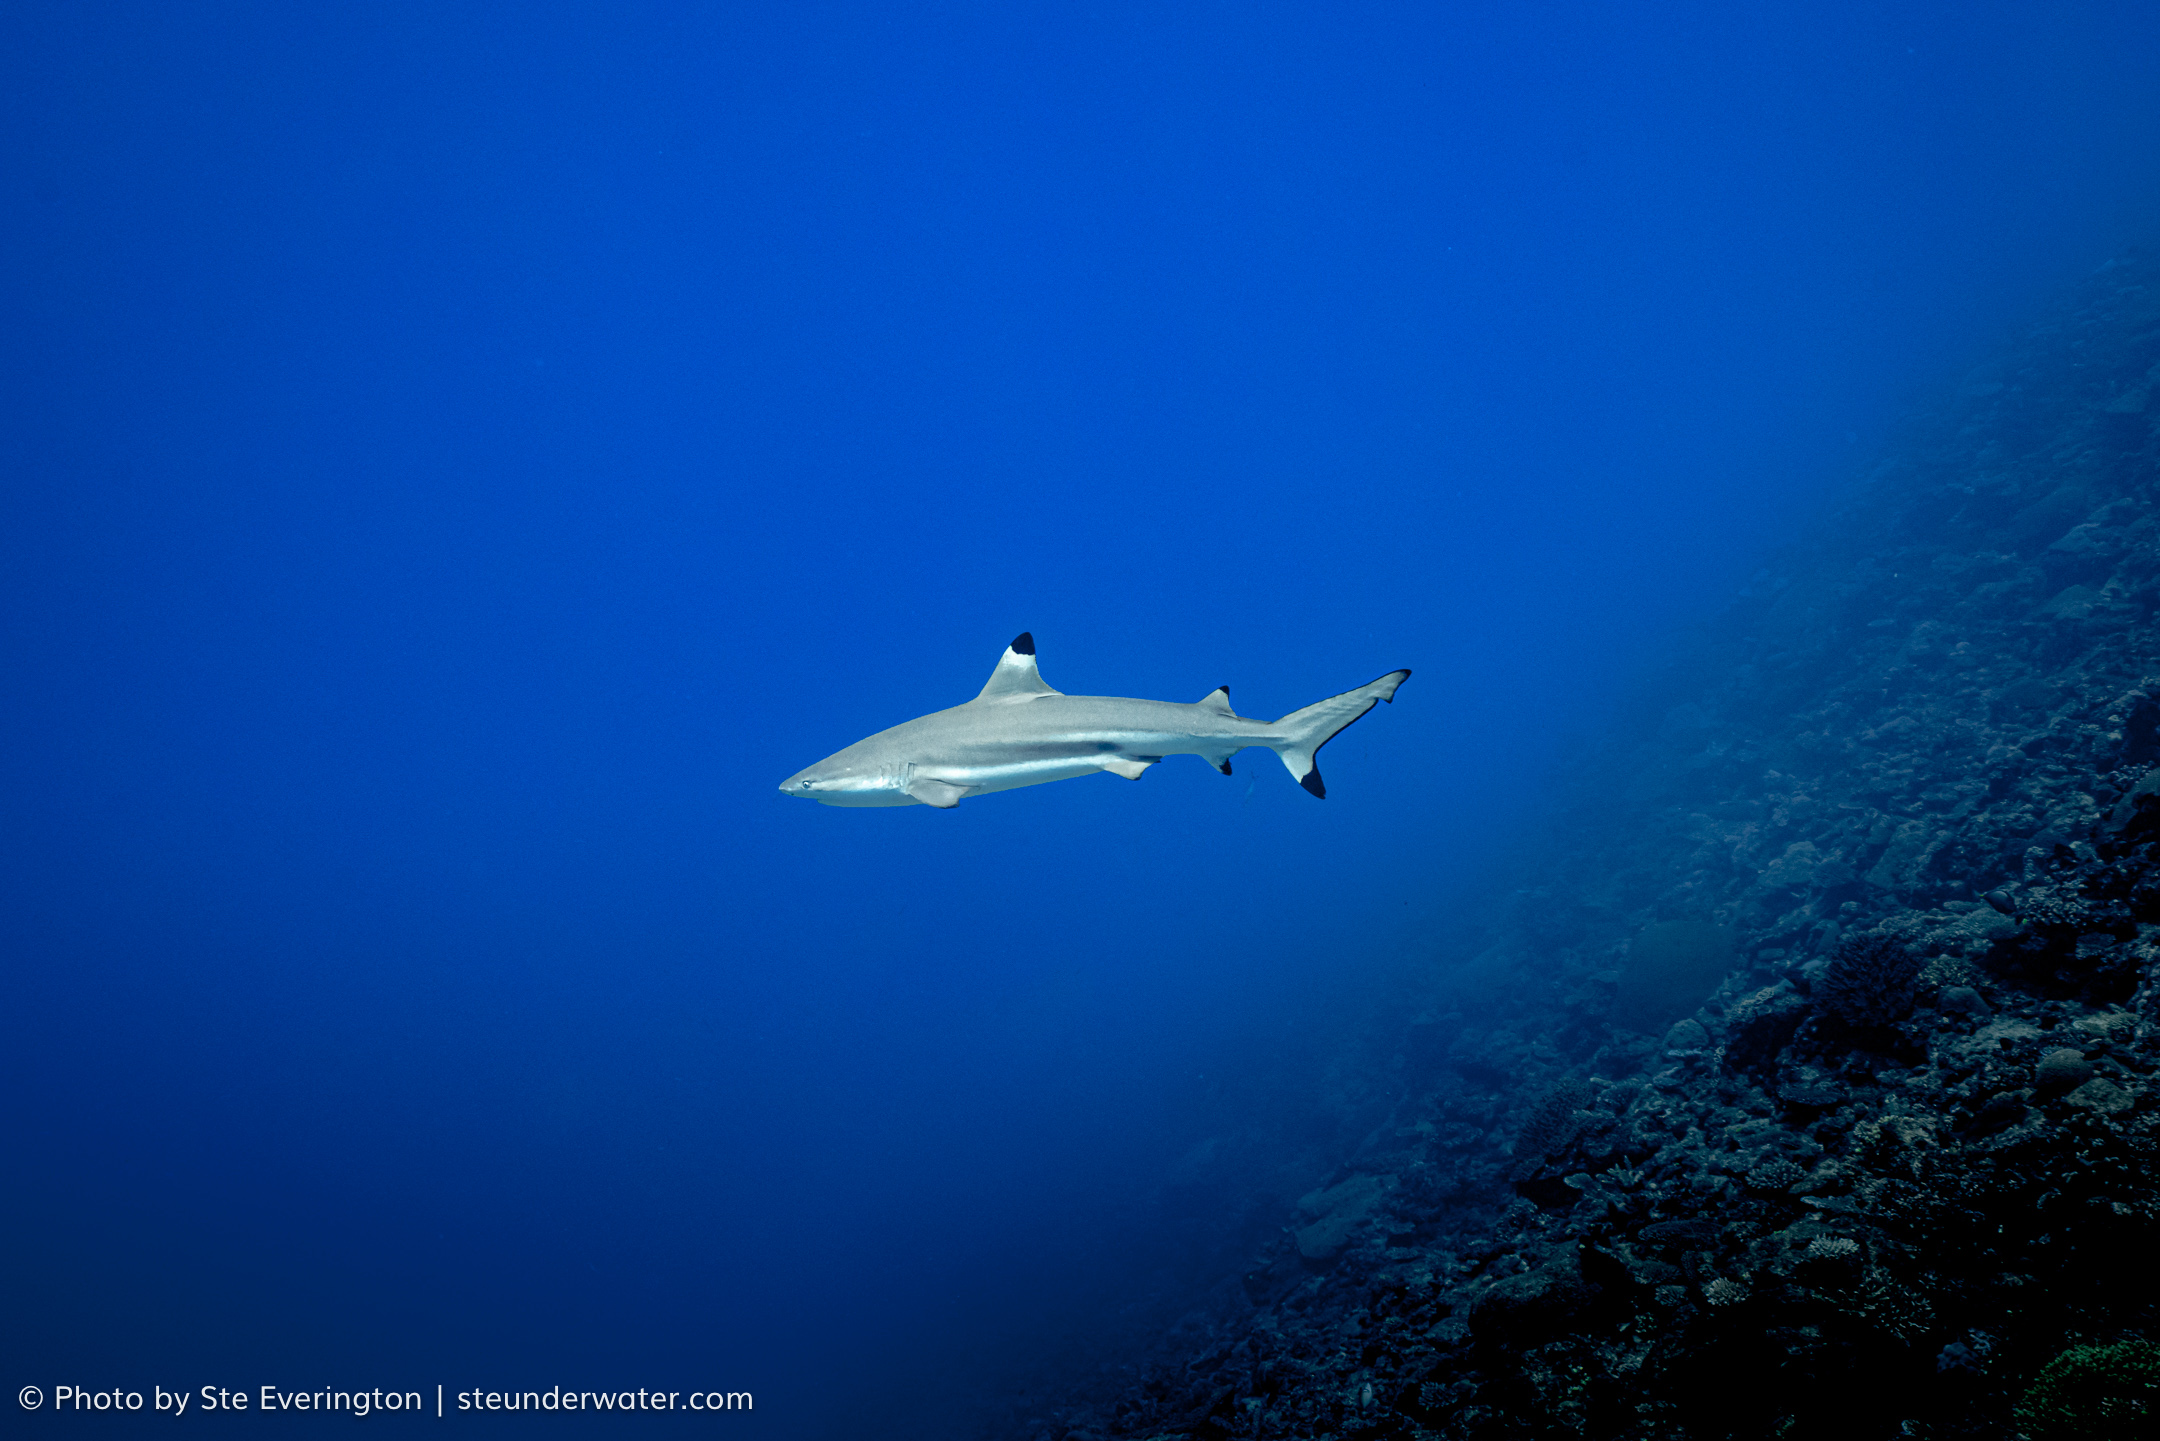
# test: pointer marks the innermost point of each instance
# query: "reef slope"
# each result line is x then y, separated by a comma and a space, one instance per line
1811, 1087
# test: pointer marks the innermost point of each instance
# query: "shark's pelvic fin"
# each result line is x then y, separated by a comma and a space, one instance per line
1016, 677
942, 794
1130, 767
1313, 727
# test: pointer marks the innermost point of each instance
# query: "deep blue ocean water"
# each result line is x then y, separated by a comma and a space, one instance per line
457, 460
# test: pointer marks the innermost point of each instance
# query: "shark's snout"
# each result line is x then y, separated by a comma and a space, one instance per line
844, 781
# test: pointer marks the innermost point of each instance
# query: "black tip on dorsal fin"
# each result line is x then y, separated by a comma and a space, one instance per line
1225, 691
1312, 783
1023, 643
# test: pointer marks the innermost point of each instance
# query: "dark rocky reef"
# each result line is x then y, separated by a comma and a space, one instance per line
1819, 1097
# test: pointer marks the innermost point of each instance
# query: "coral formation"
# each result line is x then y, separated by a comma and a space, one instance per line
2061, 1070
1552, 1122
1870, 981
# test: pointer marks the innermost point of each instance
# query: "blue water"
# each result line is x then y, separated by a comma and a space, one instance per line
459, 459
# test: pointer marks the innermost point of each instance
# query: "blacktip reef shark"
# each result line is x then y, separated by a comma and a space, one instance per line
1019, 732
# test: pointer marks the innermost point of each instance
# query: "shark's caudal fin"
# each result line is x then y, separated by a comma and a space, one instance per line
1305, 731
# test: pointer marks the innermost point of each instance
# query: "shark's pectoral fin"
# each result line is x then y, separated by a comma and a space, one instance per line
942, 794
1130, 767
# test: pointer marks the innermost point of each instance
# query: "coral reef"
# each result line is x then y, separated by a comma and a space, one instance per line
1826, 1040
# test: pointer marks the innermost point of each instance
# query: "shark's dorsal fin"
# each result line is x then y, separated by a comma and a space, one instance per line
1016, 677
1216, 700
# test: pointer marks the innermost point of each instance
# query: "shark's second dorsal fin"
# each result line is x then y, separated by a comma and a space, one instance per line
1216, 700
1016, 677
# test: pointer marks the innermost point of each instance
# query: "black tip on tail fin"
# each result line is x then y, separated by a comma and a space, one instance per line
1023, 643
1313, 783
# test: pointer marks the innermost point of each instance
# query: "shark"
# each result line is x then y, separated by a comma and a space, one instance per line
1019, 732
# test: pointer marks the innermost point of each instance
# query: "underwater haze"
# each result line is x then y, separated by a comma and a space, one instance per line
459, 459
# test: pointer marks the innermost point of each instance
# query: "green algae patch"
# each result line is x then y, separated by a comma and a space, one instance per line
2095, 1393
